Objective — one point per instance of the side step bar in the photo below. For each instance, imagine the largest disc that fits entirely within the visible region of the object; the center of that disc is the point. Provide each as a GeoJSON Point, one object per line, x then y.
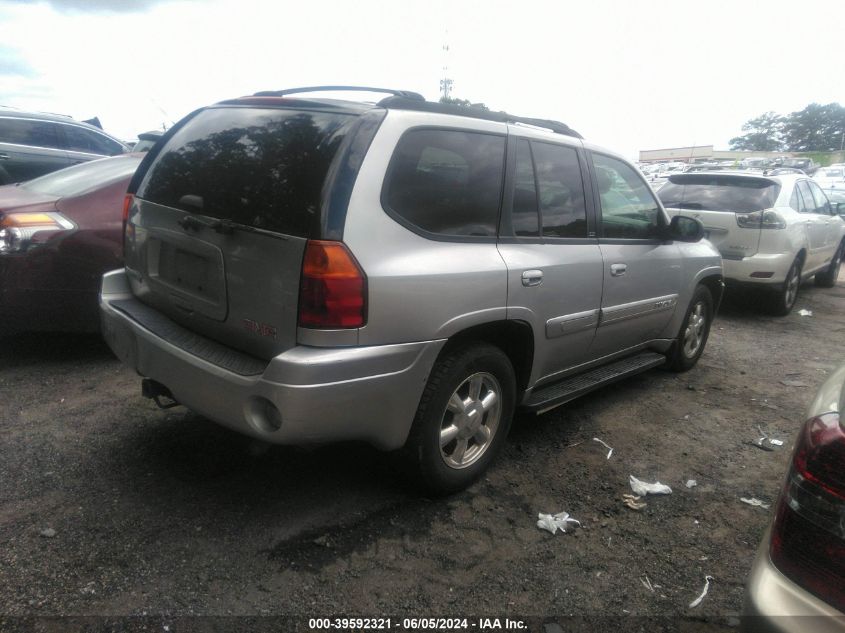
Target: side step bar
{"type": "Point", "coordinates": [551, 396]}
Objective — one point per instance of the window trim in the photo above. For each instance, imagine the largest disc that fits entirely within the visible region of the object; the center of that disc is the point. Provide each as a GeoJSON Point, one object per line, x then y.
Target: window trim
{"type": "Point", "coordinates": [439, 237]}
{"type": "Point", "coordinates": [662, 220]}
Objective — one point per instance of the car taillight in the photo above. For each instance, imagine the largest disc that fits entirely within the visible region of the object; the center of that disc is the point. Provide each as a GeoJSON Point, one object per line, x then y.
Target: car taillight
{"type": "Point", "coordinates": [760, 220]}
{"type": "Point", "coordinates": [21, 231]}
{"type": "Point", "coordinates": [332, 292]}
{"type": "Point", "coordinates": [808, 534]}
{"type": "Point", "coordinates": [127, 203]}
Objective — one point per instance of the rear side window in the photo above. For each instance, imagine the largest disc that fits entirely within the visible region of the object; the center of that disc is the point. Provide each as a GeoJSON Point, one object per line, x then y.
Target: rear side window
{"type": "Point", "coordinates": [447, 182]}
{"type": "Point", "coordinates": [263, 168]}
{"type": "Point", "coordinates": [78, 139]}
{"type": "Point", "coordinates": [719, 193]}
{"type": "Point", "coordinates": [26, 132]}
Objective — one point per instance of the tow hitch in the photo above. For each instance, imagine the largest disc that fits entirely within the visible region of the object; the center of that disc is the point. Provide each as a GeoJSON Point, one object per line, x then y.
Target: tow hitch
{"type": "Point", "coordinates": [156, 391]}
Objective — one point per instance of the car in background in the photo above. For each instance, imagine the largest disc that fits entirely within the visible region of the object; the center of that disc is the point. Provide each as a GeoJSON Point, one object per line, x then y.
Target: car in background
{"type": "Point", "coordinates": [58, 234]}
{"type": "Point", "coordinates": [34, 143]}
{"type": "Point", "coordinates": [147, 140]}
{"type": "Point", "coordinates": [827, 176]}
{"type": "Point", "coordinates": [799, 570]}
{"type": "Point", "coordinates": [807, 165]}
{"type": "Point", "coordinates": [836, 195]}
{"type": "Point", "coordinates": [772, 231]}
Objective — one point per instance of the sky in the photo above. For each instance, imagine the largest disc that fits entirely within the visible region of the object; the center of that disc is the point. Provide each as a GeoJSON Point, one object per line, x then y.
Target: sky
{"type": "Point", "coordinates": [629, 75]}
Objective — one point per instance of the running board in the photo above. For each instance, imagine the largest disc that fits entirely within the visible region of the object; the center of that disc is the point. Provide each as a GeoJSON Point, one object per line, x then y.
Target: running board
{"type": "Point", "coordinates": [551, 396]}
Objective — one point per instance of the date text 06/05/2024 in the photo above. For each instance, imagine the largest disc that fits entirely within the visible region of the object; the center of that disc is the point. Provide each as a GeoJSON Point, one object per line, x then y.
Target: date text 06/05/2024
{"type": "Point", "coordinates": [417, 624]}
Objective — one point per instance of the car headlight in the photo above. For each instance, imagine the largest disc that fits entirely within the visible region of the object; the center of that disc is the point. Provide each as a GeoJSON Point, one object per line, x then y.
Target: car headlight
{"type": "Point", "coordinates": [20, 232]}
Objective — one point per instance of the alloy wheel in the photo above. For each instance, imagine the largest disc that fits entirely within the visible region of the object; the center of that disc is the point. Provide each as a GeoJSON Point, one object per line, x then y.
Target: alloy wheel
{"type": "Point", "coordinates": [470, 420]}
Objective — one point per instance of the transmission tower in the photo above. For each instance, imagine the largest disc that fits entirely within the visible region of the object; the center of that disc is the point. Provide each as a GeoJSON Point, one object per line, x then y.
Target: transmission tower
{"type": "Point", "coordinates": [446, 83]}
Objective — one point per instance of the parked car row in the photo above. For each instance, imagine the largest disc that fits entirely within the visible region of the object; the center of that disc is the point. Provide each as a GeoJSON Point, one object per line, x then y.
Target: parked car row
{"type": "Point", "coordinates": [408, 273]}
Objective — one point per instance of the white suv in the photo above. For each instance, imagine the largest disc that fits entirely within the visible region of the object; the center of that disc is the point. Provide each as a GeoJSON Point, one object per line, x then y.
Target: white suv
{"type": "Point", "coordinates": [771, 231]}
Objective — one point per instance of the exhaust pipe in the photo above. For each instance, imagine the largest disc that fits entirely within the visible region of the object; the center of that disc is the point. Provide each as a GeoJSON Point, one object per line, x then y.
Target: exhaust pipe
{"type": "Point", "coordinates": [155, 391]}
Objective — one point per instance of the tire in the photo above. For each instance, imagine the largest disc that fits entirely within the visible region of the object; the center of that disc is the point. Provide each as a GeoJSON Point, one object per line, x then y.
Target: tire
{"type": "Point", "coordinates": [783, 299]}
{"type": "Point", "coordinates": [694, 331]}
{"type": "Point", "coordinates": [827, 279]}
{"type": "Point", "coordinates": [448, 447]}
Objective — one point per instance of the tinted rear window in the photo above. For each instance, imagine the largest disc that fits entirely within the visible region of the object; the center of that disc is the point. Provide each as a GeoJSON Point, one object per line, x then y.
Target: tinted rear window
{"type": "Point", "coordinates": [263, 168]}
{"type": "Point", "coordinates": [447, 182]}
{"type": "Point", "coordinates": [719, 193]}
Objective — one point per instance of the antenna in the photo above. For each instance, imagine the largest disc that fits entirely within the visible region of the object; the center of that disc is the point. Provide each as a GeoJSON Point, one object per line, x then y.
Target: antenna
{"type": "Point", "coordinates": [446, 83]}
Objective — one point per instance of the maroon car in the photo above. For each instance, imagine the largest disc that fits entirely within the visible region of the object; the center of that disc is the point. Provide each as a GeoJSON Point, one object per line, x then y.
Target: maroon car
{"type": "Point", "coordinates": [58, 234]}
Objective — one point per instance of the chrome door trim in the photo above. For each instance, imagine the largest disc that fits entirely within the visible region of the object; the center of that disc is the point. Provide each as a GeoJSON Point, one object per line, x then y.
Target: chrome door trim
{"type": "Point", "coordinates": [571, 323]}
{"type": "Point", "coordinates": [624, 311]}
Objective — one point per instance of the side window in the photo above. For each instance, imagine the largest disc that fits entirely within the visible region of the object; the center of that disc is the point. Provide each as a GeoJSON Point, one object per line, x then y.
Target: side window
{"type": "Point", "coordinates": [27, 132]}
{"type": "Point", "coordinates": [805, 197]}
{"type": "Point", "coordinates": [524, 216]}
{"type": "Point", "coordinates": [560, 190]}
{"type": "Point", "coordinates": [821, 204]}
{"type": "Point", "coordinates": [81, 140]}
{"type": "Point", "coordinates": [628, 208]}
{"type": "Point", "coordinates": [447, 182]}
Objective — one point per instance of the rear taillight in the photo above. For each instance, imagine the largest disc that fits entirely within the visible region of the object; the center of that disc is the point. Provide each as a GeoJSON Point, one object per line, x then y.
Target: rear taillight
{"type": "Point", "coordinates": [20, 232]}
{"type": "Point", "coordinates": [760, 220]}
{"type": "Point", "coordinates": [332, 293]}
{"type": "Point", "coordinates": [127, 203]}
{"type": "Point", "coordinates": [808, 534]}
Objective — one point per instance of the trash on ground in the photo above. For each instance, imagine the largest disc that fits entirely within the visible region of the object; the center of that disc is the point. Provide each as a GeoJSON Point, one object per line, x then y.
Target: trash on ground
{"type": "Point", "coordinates": [691, 483]}
{"type": "Point", "coordinates": [804, 312]}
{"type": "Point", "coordinates": [610, 452]}
{"type": "Point", "coordinates": [642, 488]}
{"type": "Point", "coordinates": [647, 584]}
{"type": "Point", "coordinates": [48, 532]}
{"type": "Point", "coordinates": [753, 501]}
{"type": "Point", "coordinates": [794, 383]}
{"type": "Point", "coordinates": [776, 442]}
{"type": "Point", "coordinates": [553, 523]}
{"type": "Point", "coordinates": [633, 502]}
{"type": "Point", "coordinates": [764, 441]}
{"type": "Point", "coordinates": [760, 442]}
{"type": "Point", "coordinates": [698, 600]}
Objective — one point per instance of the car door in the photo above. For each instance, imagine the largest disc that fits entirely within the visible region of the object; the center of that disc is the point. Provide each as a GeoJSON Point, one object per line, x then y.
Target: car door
{"type": "Point", "coordinates": [829, 225]}
{"type": "Point", "coordinates": [552, 255]}
{"type": "Point", "coordinates": [815, 226]}
{"type": "Point", "coordinates": [29, 148]}
{"type": "Point", "coordinates": [641, 271]}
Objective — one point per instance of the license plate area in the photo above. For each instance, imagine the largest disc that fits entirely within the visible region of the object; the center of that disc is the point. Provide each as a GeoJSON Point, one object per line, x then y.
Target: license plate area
{"type": "Point", "coordinates": [187, 273]}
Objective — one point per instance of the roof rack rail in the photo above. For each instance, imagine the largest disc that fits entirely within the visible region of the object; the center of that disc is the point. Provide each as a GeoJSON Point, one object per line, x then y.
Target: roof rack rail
{"type": "Point", "coordinates": [398, 102]}
{"type": "Point", "coordinates": [406, 94]}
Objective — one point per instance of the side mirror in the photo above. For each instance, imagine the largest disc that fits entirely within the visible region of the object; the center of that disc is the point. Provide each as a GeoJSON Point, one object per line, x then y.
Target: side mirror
{"type": "Point", "coordinates": [837, 208]}
{"type": "Point", "coordinates": [685, 229]}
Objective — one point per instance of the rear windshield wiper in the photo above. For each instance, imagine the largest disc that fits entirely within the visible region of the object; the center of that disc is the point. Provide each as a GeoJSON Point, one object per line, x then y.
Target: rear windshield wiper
{"type": "Point", "coordinates": [224, 226]}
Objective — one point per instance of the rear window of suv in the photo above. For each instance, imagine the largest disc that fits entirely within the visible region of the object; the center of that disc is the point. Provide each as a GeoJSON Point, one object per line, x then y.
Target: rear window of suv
{"type": "Point", "coordinates": [719, 193]}
{"type": "Point", "coordinates": [260, 167]}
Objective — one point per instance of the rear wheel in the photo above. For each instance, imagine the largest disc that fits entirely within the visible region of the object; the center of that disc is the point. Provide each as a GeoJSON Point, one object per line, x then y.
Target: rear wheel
{"type": "Point", "coordinates": [827, 278]}
{"type": "Point", "coordinates": [694, 331]}
{"type": "Point", "coordinates": [463, 418]}
{"type": "Point", "coordinates": [783, 299]}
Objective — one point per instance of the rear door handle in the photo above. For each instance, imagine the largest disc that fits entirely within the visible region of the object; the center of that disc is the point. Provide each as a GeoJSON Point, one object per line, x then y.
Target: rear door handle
{"type": "Point", "coordinates": [532, 277]}
{"type": "Point", "coordinates": [617, 270]}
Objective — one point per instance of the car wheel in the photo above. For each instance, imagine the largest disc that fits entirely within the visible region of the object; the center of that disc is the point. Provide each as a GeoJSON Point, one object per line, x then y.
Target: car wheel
{"type": "Point", "coordinates": [463, 418]}
{"type": "Point", "coordinates": [827, 279]}
{"type": "Point", "coordinates": [783, 299]}
{"type": "Point", "coordinates": [694, 331]}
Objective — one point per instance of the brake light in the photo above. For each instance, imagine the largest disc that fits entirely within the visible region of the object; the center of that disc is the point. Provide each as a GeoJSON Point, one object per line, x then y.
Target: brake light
{"type": "Point", "coordinates": [760, 220]}
{"type": "Point", "coordinates": [808, 533]}
{"type": "Point", "coordinates": [332, 292]}
{"type": "Point", "coordinates": [21, 231]}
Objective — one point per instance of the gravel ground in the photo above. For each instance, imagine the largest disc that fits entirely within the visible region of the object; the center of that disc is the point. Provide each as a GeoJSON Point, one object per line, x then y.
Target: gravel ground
{"type": "Point", "coordinates": [111, 507]}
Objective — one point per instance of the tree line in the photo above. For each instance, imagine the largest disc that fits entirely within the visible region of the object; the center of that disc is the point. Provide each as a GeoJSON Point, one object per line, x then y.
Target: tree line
{"type": "Point", "coordinates": [816, 128]}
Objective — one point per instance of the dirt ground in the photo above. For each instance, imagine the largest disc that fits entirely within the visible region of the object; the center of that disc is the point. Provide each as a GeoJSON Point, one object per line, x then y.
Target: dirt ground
{"type": "Point", "coordinates": [161, 513]}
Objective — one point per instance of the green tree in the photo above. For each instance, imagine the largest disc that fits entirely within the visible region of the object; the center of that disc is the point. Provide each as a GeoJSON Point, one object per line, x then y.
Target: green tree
{"type": "Point", "coordinates": [466, 103]}
{"type": "Point", "coordinates": [763, 134]}
{"type": "Point", "coordinates": [816, 128]}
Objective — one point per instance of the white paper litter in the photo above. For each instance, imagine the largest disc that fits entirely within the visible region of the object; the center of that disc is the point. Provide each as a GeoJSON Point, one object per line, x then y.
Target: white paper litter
{"type": "Point", "coordinates": [698, 600]}
{"type": "Point", "coordinates": [647, 584]}
{"type": "Point", "coordinates": [753, 501]}
{"type": "Point", "coordinates": [610, 452]}
{"type": "Point", "coordinates": [691, 483]}
{"type": "Point", "coordinates": [642, 488]}
{"type": "Point", "coordinates": [804, 312]}
{"type": "Point", "coordinates": [633, 502]}
{"type": "Point", "coordinates": [776, 442]}
{"type": "Point", "coordinates": [553, 523]}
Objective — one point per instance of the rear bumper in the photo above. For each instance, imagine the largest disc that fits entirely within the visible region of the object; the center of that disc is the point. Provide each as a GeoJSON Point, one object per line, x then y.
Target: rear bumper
{"type": "Point", "coordinates": [773, 603]}
{"type": "Point", "coordinates": [741, 270]}
{"type": "Point", "coordinates": [320, 394]}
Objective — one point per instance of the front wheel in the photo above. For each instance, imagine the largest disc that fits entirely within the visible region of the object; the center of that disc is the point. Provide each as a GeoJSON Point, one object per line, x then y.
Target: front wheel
{"type": "Point", "coordinates": [463, 418]}
{"type": "Point", "coordinates": [694, 331]}
{"type": "Point", "coordinates": [827, 278]}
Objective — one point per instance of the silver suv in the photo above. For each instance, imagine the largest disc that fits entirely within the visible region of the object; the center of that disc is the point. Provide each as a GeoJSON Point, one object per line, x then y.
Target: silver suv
{"type": "Point", "coordinates": [404, 273]}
